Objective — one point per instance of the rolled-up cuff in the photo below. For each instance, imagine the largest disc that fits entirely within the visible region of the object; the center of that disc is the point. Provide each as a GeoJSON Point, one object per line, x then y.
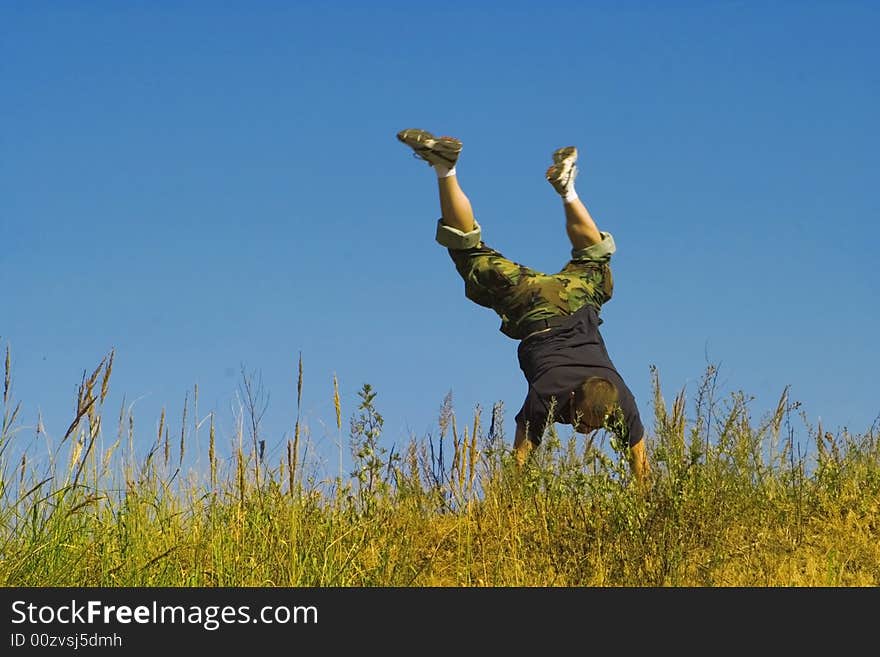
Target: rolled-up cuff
{"type": "Point", "coordinates": [599, 251]}
{"type": "Point", "coordinates": [452, 238]}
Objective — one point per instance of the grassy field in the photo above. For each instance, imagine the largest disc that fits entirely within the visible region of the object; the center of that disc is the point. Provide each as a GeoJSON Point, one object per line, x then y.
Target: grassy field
{"type": "Point", "coordinates": [733, 501]}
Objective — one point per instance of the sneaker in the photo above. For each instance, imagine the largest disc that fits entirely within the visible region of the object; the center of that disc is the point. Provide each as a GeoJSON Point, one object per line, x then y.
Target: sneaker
{"type": "Point", "coordinates": [442, 151]}
{"type": "Point", "coordinates": [563, 171]}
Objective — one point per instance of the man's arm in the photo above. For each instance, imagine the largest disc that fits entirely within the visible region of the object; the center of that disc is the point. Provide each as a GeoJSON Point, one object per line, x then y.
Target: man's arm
{"type": "Point", "coordinates": [522, 445]}
{"type": "Point", "coordinates": [638, 461]}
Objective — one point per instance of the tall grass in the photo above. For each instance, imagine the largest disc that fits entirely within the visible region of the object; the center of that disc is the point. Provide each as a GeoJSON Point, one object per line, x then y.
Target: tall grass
{"type": "Point", "coordinates": [732, 502]}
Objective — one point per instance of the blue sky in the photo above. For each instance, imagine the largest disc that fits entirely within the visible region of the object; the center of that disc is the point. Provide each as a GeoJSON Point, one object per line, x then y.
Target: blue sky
{"type": "Point", "coordinates": [206, 187]}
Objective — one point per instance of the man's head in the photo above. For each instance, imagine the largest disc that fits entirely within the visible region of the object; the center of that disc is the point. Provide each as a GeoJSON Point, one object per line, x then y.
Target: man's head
{"type": "Point", "coordinates": [591, 402]}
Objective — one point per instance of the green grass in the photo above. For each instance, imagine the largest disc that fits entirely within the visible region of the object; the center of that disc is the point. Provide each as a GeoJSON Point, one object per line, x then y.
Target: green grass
{"type": "Point", "coordinates": [732, 502]}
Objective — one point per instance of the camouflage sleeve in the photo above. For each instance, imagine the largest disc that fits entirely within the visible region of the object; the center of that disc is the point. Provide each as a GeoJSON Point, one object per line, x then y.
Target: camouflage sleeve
{"type": "Point", "coordinates": [600, 252]}
{"type": "Point", "coordinates": [486, 273]}
{"type": "Point", "coordinates": [593, 265]}
{"type": "Point", "coordinates": [452, 238]}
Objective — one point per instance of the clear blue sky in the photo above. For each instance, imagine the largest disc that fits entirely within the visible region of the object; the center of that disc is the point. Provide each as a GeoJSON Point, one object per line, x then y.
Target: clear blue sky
{"type": "Point", "coordinates": [205, 186]}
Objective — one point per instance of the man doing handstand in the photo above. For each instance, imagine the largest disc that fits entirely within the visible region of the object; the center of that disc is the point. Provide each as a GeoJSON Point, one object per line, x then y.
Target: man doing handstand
{"type": "Point", "coordinates": [571, 379]}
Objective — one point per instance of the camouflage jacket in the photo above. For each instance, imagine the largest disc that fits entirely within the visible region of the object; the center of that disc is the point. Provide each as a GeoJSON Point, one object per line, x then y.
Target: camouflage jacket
{"type": "Point", "coordinates": [521, 295]}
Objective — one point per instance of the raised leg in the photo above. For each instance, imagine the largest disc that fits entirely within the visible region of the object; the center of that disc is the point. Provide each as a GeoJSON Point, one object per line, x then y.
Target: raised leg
{"type": "Point", "coordinates": [441, 153]}
{"type": "Point", "coordinates": [579, 225]}
{"type": "Point", "coordinates": [455, 207]}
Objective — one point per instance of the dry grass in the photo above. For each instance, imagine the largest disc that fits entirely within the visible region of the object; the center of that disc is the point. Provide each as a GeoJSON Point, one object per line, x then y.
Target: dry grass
{"type": "Point", "coordinates": [732, 503]}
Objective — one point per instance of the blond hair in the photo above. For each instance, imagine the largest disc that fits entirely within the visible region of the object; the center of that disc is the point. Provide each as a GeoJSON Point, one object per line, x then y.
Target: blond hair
{"type": "Point", "coordinates": [593, 400]}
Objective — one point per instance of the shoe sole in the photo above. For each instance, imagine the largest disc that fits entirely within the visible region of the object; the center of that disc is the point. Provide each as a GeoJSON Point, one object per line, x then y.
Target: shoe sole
{"type": "Point", "coordinates": [564, 153]}
{"type": "Point", "coordinates": [563, 162]}
{"type": "Point", "coordinates": [426, 144]}
{"type": "Point", "coordinates": [557, 173]}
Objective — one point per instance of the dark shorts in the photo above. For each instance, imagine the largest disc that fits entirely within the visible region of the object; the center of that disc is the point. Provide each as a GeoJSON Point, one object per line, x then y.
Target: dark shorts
{"type": "Point", "coordinates": [557, 361]}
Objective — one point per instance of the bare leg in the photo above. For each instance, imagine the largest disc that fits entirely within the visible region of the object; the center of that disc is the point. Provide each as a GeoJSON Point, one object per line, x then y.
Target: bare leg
{"type": "Point", "coordinates": [582, 230]}
{"type": "Point", "coordinates": [442, 154]}
{"type": "Point", "coordinates": [455, 205]}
